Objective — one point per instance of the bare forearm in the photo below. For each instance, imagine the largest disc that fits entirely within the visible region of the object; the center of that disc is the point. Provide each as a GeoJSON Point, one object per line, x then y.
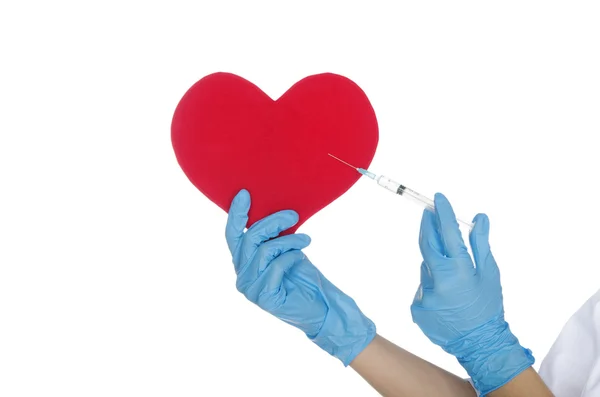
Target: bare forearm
{"type": "Point", "coordinates": [527, 384]}
{"type": "Point", "coordinates": [394, 372]}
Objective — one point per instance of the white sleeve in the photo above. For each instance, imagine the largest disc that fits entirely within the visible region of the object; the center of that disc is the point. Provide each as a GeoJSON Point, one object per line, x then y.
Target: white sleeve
{"type": "Point", "coordinates": [572, 367]}
{"type": "Point", "coordinates": [473, 386]}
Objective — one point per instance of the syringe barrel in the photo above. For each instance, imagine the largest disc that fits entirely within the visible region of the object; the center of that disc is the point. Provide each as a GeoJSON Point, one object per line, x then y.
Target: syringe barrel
{"type": "Point", "coordinates": [389, 184]}
{"type": "Point", "coordinates": [429, 204]}
{"type": "Point", "coordinates": [419, 198]}
{"type": "Point", "coordinates": [402, 190]}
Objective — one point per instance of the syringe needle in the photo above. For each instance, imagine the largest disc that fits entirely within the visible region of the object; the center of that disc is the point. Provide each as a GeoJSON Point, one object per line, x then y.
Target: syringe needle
{"type": "Point", "coordinates": [342, 161]}
{"type": "Point", "coordinates": [361, 171]}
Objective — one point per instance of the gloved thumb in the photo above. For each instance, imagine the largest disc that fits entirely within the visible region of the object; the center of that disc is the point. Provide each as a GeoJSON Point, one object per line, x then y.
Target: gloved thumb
{"type": "Point", "coordinates": [237, 219]}
{"type": "Point", "coordinates": [479, 238]}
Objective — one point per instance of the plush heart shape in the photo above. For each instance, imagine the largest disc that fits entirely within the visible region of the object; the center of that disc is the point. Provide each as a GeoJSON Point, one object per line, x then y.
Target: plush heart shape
{"type": "Point", "coordinates": [228, 134]}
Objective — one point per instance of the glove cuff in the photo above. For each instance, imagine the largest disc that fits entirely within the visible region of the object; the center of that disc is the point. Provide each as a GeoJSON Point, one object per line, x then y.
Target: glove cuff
{"type": "Point", "coordinates": [492, 356]}
{"type": "Point", "coordinates": [346, 331]}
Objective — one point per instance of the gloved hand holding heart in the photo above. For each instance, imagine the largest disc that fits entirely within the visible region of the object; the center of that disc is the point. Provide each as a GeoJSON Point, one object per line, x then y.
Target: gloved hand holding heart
{"type": "Point", "coordinates": [228, 135]}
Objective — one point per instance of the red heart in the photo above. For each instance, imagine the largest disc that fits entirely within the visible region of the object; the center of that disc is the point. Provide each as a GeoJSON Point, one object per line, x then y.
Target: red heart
{"type": "Point", "coordinates": [228, 134]}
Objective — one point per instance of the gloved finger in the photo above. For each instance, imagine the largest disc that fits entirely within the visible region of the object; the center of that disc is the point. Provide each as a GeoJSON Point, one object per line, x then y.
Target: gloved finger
{"type": "Point", "coordinates": [274, 248]}
{"type": "Point", "coordinates": [270, 281]}
{"type": "Point", "coordinates": [417, 301]}
{"type": "Point", "coordinates": [264, 230]}
{"type": "Point", "coordinates": [430, 242]}
{"type": "Point", "coordinates": [454, 246]}
{"type": "Point", "coordinates": [266, 253]}
{"type": "Point", "coordinates": [432, 249]}
{"type": "Point", "coordinates": [480, 245]}
{"type": "Point", "coordinates": [270, 227]}
{"type": "Point", "coordinates": [426, 276]}
{"type": "Point", "coordinates": [237, 219]}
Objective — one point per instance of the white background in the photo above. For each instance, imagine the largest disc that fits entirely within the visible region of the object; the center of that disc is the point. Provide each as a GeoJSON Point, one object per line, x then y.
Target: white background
{"type": "Point", "coordinates": [115, 277]}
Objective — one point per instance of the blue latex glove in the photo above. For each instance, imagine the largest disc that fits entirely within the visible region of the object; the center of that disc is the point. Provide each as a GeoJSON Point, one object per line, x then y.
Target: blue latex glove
{"type": "Point", "coordinates": [459, 306]}
{"type": "Point", "coordinates": [273, 273]}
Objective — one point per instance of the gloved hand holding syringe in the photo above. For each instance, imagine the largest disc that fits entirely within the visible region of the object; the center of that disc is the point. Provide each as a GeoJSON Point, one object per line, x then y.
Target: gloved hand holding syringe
{"type": "Point", "coordinates": [399, 189]}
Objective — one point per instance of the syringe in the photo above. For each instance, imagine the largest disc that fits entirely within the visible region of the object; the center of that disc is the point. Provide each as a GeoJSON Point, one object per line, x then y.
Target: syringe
{"type": "Point", "coordinates": [399, 189]}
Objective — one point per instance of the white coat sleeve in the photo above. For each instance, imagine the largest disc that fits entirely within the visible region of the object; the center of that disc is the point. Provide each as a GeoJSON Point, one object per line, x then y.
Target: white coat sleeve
{"type": "Point", "coordinates": [572, 366]}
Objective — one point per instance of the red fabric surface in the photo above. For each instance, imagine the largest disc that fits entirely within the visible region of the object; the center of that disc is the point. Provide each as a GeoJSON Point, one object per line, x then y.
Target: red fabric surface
{"type": "Point", "coordinates": [228, 134]}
